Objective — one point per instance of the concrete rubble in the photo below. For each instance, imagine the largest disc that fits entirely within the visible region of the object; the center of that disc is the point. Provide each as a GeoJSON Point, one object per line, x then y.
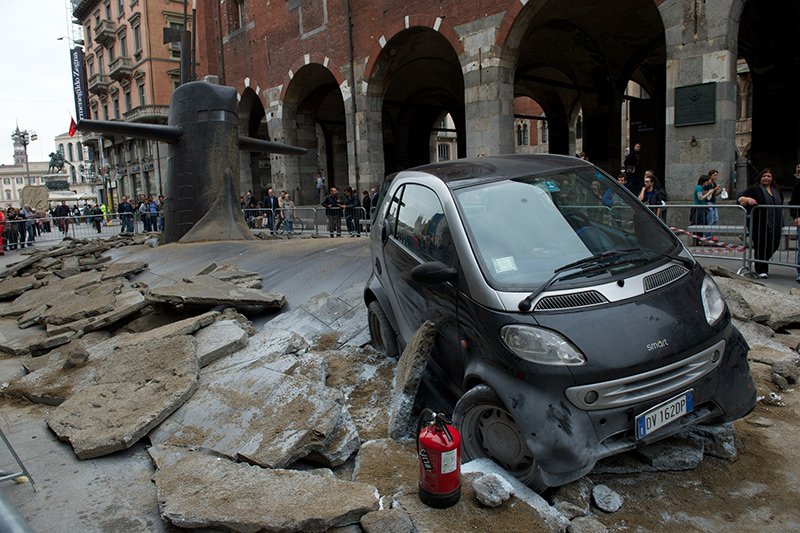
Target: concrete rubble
{"type": "Point", "coordinates": [208, 291]}
{"type": "Point", "coordinates": [410, 368]}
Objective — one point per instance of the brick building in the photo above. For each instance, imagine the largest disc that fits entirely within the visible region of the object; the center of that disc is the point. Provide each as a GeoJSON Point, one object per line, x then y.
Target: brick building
{"type": "Point", "coordinates": [131, 76]}
{"type": "Point", "coordinates": [363, 85]}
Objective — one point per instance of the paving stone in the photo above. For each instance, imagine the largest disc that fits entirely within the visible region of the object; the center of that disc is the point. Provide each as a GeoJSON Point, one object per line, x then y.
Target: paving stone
{"type": "Point", "coordinates": [13, 287]}
{"type": "Point", "coordinates": [77, 307]}
{"type": "Point", "coordinates": [219, 339]}
{"type": "Point", "coordinates": [54, 291]}
{"type": "Point", "coordinates": [776, 309]}
{"type": "Point", "coordinates": [209, 291]}
{"type": "Point", "coordinates": [255, 414]}
{"type": "Point", "coordinates": [387, 521]}
{"type": "Point", "coordinates": [30, 341]}
{"type": "Point", "coordinates": [492, 490]}
{"type": "Point", "coordinates": [570, 510]}
{"type": "Point", "coordinates": [201, 491]}
{"type": "Point", "coordinates": [718, 441]}
{"type": "Point", "coordinates": [410, 368]}
{"type": "Point", "coordinates": [606, 499]}
{"type": "Point", "coordinates": [577, 493]}
{"type": "Point", "coordinates": [242, 278]}
{"type": "Point", "coordinates": [343, 442]}
{"type": "Point", "coordinates": [121, 269]}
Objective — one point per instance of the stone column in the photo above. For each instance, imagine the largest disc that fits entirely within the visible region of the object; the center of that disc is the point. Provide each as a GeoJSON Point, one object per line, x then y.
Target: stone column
{"type": "Point", "coordinates": [701, 51]}
{"type": "Point", "coordinates": [367, 139]}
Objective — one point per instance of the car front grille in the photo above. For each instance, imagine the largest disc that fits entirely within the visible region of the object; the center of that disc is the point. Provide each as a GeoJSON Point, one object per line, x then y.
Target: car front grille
{"type": "Point", "coordinates": [648, 385]}
{"type": "Point", "coordinates": [570, 301]}
{"type": "Point", "coordinates": [666, 276]}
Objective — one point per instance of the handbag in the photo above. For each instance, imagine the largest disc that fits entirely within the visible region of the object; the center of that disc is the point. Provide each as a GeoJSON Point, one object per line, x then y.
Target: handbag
{"type": "Point", "coordinates": [724, 194]}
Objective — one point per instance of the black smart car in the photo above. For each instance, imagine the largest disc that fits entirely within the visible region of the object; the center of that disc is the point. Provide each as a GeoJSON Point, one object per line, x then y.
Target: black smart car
{"type": "Point", "coordinates": [570, 320]}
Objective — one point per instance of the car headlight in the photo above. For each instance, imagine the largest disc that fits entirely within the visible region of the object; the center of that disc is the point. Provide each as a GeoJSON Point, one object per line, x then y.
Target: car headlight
{"type": "Point", "coordinates": [713, 301]}
{"type": "Point", "coordinates": [540, 346]}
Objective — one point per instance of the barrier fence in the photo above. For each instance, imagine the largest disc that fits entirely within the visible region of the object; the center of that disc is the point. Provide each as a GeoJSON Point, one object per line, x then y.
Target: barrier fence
{"type": "Point", "coordinates": [765, 236]}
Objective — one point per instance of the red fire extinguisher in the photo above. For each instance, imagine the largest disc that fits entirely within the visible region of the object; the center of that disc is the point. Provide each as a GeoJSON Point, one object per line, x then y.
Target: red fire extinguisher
{"type": "Point", "coordinates": [439, 451]}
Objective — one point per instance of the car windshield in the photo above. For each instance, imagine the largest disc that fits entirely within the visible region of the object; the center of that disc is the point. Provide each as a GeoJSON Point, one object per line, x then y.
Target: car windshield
{"type": "Point", "coordinates": [576, 225]}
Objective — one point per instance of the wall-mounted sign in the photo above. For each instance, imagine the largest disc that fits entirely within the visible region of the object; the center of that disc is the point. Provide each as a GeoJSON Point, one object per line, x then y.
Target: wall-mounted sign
{"type": "Point", "coordinates": [696, 104]}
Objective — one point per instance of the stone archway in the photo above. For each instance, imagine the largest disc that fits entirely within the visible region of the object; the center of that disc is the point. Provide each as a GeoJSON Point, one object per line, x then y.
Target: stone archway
{"type": "Point", "coordinates": [254, 167]}
{"type": "Point", "coordinates": [420, 80]}
{"type": "Point", "coordinates": [314, 118]}
{"type": "Point", "coordinates": [568, 56]}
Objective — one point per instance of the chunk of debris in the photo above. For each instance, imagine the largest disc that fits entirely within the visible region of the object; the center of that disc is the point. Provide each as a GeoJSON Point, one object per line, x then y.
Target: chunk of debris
{"type": "Point", "coordinates": [219, 339]}
{"type": "Point", "coordinates": [718, 441]}
{"type": "Point", "coordinates": [255, 414]}
{"type": "Point", "coordinates": [53, 292]}
{"type": "Point", "coordinates": [120, 269]}
{"type": "Point", "coordinates": [33, 341]}
{"type": "Point", "coordinates": [199, 491]}
{"type": "Point", "coordinates": [577, 494]}
{"type": "Point", "coordinates": [672, 454]}
{"type": "Point", "coordinates": [209, 291]}
{"type": "Point", "coordinates": [13, 287]}
{"type": "Point", "coordinates": [606, 499]}
{"type": "Point", "coordinates": [136, 388]}
{"type": "Point", "coordinates": [777, 310]}
{"type": "Point", "coordinates": [410, 368]}
{"type": "Point", "coordinates": [387, 521]}
{"type": "Point", "coordinates": [586, 525]}
{"type": "Point", "coordinates": [492, 490]}
{"type": "Point", "coordinates": [343, 442]}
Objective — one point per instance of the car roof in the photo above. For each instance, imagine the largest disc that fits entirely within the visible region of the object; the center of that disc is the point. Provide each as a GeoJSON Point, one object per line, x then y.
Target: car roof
{"type": "Point", "coordinates": [465, 172]}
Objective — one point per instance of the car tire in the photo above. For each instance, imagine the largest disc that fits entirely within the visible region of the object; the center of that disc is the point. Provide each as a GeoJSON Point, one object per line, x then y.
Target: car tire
{"type": "Point", "coordinates": [380, 331]}
{"type": "Point", "coordinates": [489, 431]}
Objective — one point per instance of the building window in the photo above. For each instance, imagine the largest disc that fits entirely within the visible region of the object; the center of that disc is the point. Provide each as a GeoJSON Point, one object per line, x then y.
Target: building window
{"type": "Point", "coordinates": [579, 128]}
{"type": "Point", "coordinates": [522, 135]}
{"type": "Point", "coordinates": [105, 112]}
{"type": "Point", "coordinates": [142, 100]}
{"type": "Point", "coordinates": [8, 194]}
{"type": "Point", "coordinates": [137, 40]}
{"type": "Point", "coordinates": [111, 53]}
{"type": "Point", "coordinates": [19, 181]}
{"type": "Point", "coordinates": [123, 45]}
{"type": "Point", "coordinates": [100, 68]}
{"type": "Point", "coordinates": [80, 152]}
{"type": "Point", "coordinates": [237, 14]}
{"type": "Point", "coordinates": [70, 156]}
{"type": "Point", "coordinates": [444, 152]}
{"type": "Point", "coordinates": [175, 48]}
{"type": "Point", "coordinates": [128, 101]}
{"type": "Point", "coordinates": [116, 108]}
{"type": "Point", "coordinates": [108, 11]}
{"type": "Point", "coordinates": [90, 65]}
{"type": "Point", "coordinates": [121, 7]}
{"type": "Point", "coordinates": [7, 181]}
{"type": "Point", "coordinates": [544, 131]}
{"type": "Point", "coordinates": [61, 149]}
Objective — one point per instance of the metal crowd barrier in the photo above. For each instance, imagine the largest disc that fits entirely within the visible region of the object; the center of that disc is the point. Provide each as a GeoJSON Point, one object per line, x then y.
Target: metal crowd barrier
{"type": "Point", "coordinates": [772, 231]}
{"type": "Point", "coordinates": [312, 220]}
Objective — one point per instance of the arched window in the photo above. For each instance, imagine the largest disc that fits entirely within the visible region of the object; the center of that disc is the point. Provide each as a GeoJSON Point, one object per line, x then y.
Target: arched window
{"type": "Point", "coordinates": [579, 128]}
{"type": "Point", "coordinates": [80, 152]}
{"type": "Point", "coordinates": [69, 152]}
{"type": "Point", "coordinates": [61, 148]}
{"type": "Point", "coordinates": [525, 140]}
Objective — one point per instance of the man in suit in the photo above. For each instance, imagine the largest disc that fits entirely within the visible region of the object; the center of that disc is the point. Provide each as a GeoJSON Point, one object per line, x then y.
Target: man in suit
{"type": "Point", "coordinates": [271, 205]}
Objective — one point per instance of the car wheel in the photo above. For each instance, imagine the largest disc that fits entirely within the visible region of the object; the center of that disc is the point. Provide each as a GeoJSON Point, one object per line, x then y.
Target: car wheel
{"type": "Point", "coordinates": [488, 430]}
{"type": "Point", "coordinates": [380, 331]}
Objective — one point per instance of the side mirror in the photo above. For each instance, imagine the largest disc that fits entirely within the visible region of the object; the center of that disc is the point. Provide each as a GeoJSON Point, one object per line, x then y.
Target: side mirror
{"type": "Point", "coordinates": [433, 272]}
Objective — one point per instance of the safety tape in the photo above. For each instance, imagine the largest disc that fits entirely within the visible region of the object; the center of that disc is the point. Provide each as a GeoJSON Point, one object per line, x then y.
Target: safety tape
{"type": "Point", "coordinates": [714, 242]}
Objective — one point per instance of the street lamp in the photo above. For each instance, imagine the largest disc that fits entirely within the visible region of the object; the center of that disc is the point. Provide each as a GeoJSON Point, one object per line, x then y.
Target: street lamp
{"type": "Point", "coordinates": [24, 137]}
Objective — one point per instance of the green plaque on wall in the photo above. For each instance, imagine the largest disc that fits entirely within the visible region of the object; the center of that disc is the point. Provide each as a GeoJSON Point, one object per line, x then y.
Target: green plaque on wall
{"type": "Point", "coordinates": [696, 104]}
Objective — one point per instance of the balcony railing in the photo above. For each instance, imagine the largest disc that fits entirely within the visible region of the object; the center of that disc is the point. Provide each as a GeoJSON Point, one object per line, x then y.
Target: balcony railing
{"type": "Point", "coordinates": [147, 113]}
{"type": "Point", "coordinates": [105, 32]}
{"type": "Point", "coordinates": [120, 68]}
{"type": "Point", "coordinates": [98, 83]}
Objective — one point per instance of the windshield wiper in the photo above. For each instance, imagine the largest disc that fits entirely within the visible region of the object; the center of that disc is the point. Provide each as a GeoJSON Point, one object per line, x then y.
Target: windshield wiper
{"type": "Point", "coordinates": [525, 305]}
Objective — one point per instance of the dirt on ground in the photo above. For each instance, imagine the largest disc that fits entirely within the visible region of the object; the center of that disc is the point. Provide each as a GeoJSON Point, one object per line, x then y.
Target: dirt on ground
{"type": "Point", "coordinates": [758, 492]}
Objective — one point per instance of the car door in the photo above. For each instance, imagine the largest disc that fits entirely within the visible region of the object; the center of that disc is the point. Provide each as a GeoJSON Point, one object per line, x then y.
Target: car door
{"type": "Point", "coordinates": [421, 234]}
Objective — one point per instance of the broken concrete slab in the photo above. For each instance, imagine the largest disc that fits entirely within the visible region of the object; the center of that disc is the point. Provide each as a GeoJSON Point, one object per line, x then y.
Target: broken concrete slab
{"type": "Point", "coordinates": [471, 516]}
{"type": "Point", "coordinates": [120, 269]}
{"type": "Point", "coordinates": [77, 307]}
{"type": "Point", "coordinates": [390, 465]}
{"type": "Point", "coordinates": [492, 490]}
{"type": "Point", "coordinates": [201, 491]}
{"type": "Point", "coordinates": [776, 309]}
{"type": "Point", "coordinates": [255, 414]}
{"type": "Point", "coordinates": [343, 442]}
{"type": "Point", "coordinates": [219, 339]}
{"type": "Point", "coordinates": [242, 278]}
{"type": "Point", "coordinates": [547, 518]}
{"type": "Point", "coordinates": [133, 390]}
{"type": "Point", "coordinates": [410, 368]}
{"type": "Point", "coordinates": [606, 499]}
{"type": "Point", "coordinates": [586, 524]}
{"type": "Point", "coordinates": [13, 287]}
{"type": "Point", "coordinates": [718, 441]}
{"type": "Point", "coordinates": [671, 454]}
{"type": "Point", "coordinates": [209, 291]}
{"type": "Point", "coordinates": [33, 341]}
{"type": "Point", "coordinates": [50, 294]}
{"type": "Point", "coordinates": [577, 494]}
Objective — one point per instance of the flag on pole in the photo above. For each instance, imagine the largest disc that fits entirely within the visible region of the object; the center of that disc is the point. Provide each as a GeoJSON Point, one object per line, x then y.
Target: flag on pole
{"type": "Point", "coordinates": [73, 128]}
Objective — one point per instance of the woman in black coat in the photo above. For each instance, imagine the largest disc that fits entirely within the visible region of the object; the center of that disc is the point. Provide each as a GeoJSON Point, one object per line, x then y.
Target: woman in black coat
{"type": "Point", "coordinates": [768, 222]}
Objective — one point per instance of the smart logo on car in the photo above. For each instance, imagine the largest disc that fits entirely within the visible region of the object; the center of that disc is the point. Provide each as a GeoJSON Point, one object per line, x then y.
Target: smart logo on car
{"type": "Point", "coordinates": [657, 345]}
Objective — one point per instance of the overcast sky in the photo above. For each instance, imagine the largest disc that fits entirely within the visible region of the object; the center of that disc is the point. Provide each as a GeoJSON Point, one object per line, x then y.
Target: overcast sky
{"type": "Point", "coordinates": [36, 83]}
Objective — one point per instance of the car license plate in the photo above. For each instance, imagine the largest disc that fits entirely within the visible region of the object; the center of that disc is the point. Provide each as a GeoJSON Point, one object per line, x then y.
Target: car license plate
{"type": "Point", "coordinates": [664, 413]}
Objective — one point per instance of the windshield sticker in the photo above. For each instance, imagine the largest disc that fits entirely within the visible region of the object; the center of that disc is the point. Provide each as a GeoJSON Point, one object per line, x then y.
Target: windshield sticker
{"type": "Point", "coordinates": [504, 264]}
{"type": "Point", "coordinates": [549, 186]}
{"type": "Point", "coordinates": [600, 176]}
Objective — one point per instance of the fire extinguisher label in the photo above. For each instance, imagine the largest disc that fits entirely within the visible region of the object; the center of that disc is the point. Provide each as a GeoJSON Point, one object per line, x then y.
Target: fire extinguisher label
{"type": "Point", "coordinates": [449, 461]}
{"type": "Point", "coordinates": [426, 463]}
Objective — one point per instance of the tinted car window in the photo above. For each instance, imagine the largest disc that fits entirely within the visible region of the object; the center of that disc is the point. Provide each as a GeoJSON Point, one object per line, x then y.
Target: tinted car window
{"type": "Point", "coordinates": [523, 230]}
{"type": "Point", "coordinates": [421, 225]}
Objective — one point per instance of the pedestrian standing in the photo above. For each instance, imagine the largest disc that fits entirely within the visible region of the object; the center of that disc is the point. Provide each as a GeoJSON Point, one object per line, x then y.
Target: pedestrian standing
{"type": "Point", "coordinates": [633, 169]}
{"type": "Point", "coordinates": [29, 234]}
{"type": "Point", "coordinates": [62, 212]}
{"type": "Point", "coordinates": [270, 204]}
{"type": "Point", "coordinates": [288, 214]}
{"type": "Point", "coordinates": [319, 182]}
{"type": "Point", "coordinates": [795, 214]}
{"type": "Point", "coordinates": [125, 210]}
{"type": "Point", "coordinates": [767, 222]}
{"type": "Point", "coordinates": [333, 205]}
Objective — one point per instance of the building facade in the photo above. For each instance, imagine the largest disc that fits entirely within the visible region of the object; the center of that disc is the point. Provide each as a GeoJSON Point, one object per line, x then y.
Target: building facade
{"type": "Point", "coordinates": [364, 86]}
{"type": "Point", "coordinates": [131, 75]}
